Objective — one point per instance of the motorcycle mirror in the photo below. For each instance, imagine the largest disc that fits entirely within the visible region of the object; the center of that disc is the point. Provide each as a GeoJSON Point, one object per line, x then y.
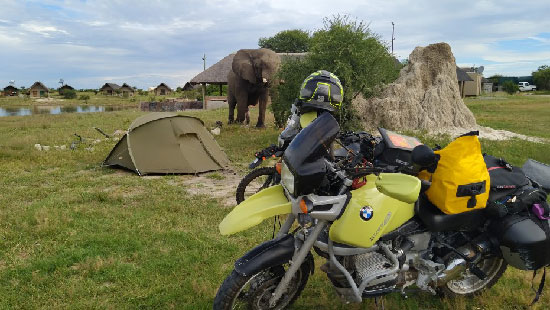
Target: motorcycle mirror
{"type": "Point", "coordinates": [423, 156]}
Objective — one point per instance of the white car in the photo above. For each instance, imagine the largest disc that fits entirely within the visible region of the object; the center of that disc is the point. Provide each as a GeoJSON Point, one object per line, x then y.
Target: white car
{"type": "Point", "coordinates": [524, 86]}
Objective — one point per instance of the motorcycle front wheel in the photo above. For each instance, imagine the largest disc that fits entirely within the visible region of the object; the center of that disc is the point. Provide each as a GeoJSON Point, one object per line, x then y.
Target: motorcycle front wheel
{"type": "Point", "coordinates": [469, 284]}
{"type": "Point", "coordinates": [254, 292]}
{"type": "Point", "coordinates": [255, 181]}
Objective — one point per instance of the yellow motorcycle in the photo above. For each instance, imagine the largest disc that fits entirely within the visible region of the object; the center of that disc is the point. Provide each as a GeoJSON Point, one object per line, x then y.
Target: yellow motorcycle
{"type": "Point", "coordinates": [376, 239]}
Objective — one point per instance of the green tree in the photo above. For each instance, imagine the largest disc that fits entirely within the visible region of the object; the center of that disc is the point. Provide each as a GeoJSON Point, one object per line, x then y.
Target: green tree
{"type": "Point", "coordinates": [287, 41]}
{"type": "Point", "coordinates": [494, 78]}
{"type": "Point", "coordinates": [541, 77]}
{"type": "Point", "coordinates": [85, 98]}
{"type": "Point", "coordinates": [348, 49]}
{"type": "Point", "coordinates": [214, 90]}
{"type": "Point", "coordinates": [510, 87]}
{"type": "Point", "coordinates": [69, 94]}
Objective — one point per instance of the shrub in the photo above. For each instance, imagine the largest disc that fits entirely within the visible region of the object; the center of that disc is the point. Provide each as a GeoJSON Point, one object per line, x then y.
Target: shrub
{"type": "Point", "coordinates": [69, 94]}
{"type": "Point", "coordinates": [85, 98]}
{"type": "Point", "coordinates": [348, 49]}
{"type": "Point", "coordinates": [541, 77]}
{"type": "Point", "coordinates": [287, 41]}
{"type": "Point", "coordinates": [510, 87]}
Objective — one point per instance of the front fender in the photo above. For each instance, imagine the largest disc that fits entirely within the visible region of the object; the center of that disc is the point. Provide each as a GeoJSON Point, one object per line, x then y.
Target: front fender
{"type": "Point", "coordinates": [266, 255]}
{"type": "Point", "coordinates": [251, 212]}
{"type": "Point", "coordinates": [269, 254]}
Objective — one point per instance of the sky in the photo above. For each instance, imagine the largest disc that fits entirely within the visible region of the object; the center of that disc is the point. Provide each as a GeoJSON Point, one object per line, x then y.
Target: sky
{"type": "Point", "coordinates": [143, 43]}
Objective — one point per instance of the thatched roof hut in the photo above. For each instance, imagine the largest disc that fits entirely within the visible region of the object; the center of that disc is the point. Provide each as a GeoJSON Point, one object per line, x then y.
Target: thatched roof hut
{"type": "Point", "coordinates": [162, 90]}
{"type": "Point", "coordinates": [126, 90]}
{"type": "Point", "coordinates": [217, 73]}
{"type": "Point", "coordinates": [38, 90]}
{"type": "Point", "coordinates": [109, 89]}
{"type": "Point", "coordinates": [11, 90]}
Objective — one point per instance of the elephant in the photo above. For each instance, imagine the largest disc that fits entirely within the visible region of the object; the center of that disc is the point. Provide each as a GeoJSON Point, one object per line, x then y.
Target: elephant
{"type": "Point", "coordinates": [252, 73]}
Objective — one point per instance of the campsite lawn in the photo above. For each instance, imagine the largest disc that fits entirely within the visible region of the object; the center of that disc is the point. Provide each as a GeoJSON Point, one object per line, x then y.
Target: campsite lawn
{"type": "Point", "coordinates": [74, 235]}
{"type": "Point", "coordinates": [523, 113]}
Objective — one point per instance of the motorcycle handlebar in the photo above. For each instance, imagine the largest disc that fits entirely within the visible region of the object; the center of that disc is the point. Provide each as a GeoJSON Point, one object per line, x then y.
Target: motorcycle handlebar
{"type": "Point", "coordinates": [270, 151]}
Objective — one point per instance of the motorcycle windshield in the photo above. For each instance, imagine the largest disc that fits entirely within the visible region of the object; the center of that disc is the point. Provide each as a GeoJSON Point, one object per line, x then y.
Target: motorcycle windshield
{"type": "Point", "coordinates": [305, 153]}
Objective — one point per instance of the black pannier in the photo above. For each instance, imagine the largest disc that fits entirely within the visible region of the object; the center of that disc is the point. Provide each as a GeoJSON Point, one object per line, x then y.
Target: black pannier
{"type": "Point", "coordinates": [524, 240]}
{"type": "Point", "coordinates": [538, 172]}
{"type": "Point", "coordinates": [506, 179]}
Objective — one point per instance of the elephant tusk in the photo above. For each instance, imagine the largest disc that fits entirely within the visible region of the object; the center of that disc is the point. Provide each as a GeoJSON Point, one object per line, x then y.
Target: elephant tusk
{"type": "Point", "coordinates": [264, 80]}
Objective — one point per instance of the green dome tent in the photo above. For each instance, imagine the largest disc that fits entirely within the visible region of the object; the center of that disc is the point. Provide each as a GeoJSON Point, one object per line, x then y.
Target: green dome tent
{"type": "Point", "coordinates": [167, 143]}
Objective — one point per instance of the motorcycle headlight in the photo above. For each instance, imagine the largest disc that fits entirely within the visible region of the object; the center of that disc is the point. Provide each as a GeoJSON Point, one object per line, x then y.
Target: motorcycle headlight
{"type": "Point", "coordinates": [287, 178]}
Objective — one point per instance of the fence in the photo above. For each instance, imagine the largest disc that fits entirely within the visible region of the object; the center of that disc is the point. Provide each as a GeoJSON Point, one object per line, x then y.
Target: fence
{"type": "Point", "coordinates": [170, 106]}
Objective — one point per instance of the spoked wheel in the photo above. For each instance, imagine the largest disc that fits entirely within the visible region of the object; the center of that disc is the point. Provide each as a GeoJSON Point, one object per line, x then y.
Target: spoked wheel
{"type": "Point", "coordinates": [255, 181]}
{"type": "Point", "coordinates": [254, 292]}
{"type": "Point", "coordinates": [469, 284]}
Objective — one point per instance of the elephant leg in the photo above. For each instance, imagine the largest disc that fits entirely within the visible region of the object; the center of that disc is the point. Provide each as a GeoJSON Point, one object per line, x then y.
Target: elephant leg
{"type": "Point", "coordinates": [232, 103]}
{"type": "Point", "coordinates": [262, 106]}
{"type": "Point", "coordinates": [242, 105]}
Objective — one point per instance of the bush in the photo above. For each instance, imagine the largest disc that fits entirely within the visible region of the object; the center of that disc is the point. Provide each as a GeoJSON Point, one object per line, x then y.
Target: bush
{"type": "Point", "coordinates": [69, 94]}
{"type": "Point", "coordinates": [541, 77]}
{"type": "Point", "coordinates": [348, 49]}
{"type": "Point", "coordinates": [85, 98]}
{"type": "Point", "coordinates": [510, 87]}
{"type": "Point", "coordinates": [287, 41]}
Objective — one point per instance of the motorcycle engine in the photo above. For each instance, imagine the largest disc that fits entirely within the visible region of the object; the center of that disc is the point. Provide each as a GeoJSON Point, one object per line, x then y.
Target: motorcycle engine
{"type": "Point", "coordinates": [374, 264]}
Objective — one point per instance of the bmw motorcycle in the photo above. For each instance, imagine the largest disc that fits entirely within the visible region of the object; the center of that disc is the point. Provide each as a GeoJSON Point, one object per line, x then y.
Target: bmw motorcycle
{"type": "Point", "coordinates": [380, 238]}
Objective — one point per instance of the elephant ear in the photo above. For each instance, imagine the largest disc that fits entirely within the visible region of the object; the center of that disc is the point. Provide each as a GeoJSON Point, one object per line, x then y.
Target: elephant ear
{"type": "Point", "coordinates": [243, 67]}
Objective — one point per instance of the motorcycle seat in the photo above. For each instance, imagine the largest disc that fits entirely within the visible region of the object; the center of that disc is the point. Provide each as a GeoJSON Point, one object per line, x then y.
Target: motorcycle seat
{"type": "Point", "coordinates": [437, 221]}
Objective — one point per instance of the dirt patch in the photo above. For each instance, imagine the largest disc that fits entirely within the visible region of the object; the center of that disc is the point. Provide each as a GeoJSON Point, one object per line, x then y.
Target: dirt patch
{"type": "Point", "coordinates": [49, 100]}
{"type": "Point", "coordinates": [220, 185]}
{"type": "Point", "coordinates": [487, 133]}
{"type": "Point", "coordinates": [426, 95]}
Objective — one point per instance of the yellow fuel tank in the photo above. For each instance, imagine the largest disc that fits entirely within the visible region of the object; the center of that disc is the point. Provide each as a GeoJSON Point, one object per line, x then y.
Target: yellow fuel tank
{"type": "Point", "coordinates": [369, 215]}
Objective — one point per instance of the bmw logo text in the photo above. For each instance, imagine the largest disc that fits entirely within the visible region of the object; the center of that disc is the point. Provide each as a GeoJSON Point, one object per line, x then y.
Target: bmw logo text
{"type": "Point", "coordinates": [366, 213]}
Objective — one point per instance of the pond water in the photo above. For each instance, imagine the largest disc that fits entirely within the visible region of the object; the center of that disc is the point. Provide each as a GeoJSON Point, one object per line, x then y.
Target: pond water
{"type": "Point", "coordinates": [51, 109]}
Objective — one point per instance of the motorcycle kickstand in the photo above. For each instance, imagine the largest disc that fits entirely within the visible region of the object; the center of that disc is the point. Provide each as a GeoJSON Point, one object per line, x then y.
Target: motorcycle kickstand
{"type": "Point", "coordinates": [379, 302]}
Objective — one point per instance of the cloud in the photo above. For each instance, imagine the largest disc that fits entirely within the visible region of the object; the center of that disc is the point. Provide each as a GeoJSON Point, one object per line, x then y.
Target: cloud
{"type": "Point", "coordinates": [140, 41]}
{"type": "Point", "coordinates": [44, 30]}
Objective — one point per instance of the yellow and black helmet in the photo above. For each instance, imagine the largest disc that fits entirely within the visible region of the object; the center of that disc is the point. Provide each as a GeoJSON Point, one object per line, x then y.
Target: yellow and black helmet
{"type": "Point", "coordinates": [321, 90]}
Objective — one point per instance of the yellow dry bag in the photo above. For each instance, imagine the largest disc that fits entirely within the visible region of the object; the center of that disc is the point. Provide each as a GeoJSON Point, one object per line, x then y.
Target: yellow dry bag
{"type": "Point", "coordinates": [460, 183]}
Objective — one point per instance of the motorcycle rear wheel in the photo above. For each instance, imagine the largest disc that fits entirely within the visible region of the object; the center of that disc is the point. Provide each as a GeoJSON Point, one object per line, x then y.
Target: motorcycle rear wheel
{"type": "Point", "coordinates": [254, 292]}
{"type": "Point", "coordinates": [470, 285]}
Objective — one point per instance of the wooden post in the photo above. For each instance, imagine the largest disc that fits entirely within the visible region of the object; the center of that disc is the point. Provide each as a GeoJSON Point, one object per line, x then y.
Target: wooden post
{"type": "Point", "coordinates": [221, 90]}
{"type": "Point", "coordinates": [203, 96]}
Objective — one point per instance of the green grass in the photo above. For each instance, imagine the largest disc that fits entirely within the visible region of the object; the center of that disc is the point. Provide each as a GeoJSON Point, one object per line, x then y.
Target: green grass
{"type": "Point", "coordinates": [524, 113]}
{"type": "Point", "coordinates": [74, 235]}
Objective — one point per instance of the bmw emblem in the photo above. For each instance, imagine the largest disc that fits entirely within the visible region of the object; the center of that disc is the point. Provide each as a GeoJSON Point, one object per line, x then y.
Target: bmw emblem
{"type": "Point", "coordinates": [366, 213]}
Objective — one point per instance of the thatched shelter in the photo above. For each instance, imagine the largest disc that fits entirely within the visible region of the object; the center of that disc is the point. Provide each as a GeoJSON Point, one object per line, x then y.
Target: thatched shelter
{"type": "Point", "coordinates": [126, 90]}
{"type": "Point", "coordinates": [162, 90]}
{"type": "Point", "coordinates": [109, 89]}
{"type": "Point", "coordinates": [217, 73]}
{"type": "Point", "coordinates": [11, 90]}
{"type": "Point", "coordinates": [38, 90]}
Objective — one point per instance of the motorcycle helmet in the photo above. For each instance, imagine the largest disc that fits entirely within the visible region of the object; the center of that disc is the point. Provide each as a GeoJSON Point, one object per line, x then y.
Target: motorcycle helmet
{"type": "Point", "coordinates": [321, 90]}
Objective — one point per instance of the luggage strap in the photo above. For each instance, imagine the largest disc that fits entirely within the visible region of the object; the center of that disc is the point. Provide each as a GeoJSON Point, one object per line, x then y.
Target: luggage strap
{"type": "Point", "coordinates": [541, 286]}
{"type": "Point", "coordinates": [472, 190]}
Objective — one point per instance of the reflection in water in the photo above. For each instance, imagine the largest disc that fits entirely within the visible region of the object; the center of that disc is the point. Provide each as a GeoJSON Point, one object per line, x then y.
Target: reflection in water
{"type": "Point", "coordinates": [20, 111]}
